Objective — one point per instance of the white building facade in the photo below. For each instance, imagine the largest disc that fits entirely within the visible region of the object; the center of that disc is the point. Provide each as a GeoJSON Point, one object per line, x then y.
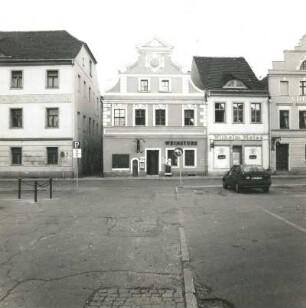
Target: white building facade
{"type": "Point", "coordinates": [152, 110]}
{"type": "Point", "coordinates": [49, 97]}
{"type": "Point", "coordinates": [287, 87]}
{"type": "Point", "coordinates": [237, 113]}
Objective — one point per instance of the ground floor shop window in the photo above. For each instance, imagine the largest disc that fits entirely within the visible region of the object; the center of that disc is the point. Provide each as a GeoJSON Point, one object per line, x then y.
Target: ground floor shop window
{"type": "Point", "coordinates": [16, 154]}
{"type": "Point", "coordinates": [120, 161]}
{"type": "Point", "coordinates": [189, 158]}
{"type": "Point", "coordinates": [52, 156]}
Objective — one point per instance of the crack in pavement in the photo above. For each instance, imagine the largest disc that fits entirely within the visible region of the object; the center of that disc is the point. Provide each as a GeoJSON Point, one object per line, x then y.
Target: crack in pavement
{"type": "Point", "coordinates": [84, 273]}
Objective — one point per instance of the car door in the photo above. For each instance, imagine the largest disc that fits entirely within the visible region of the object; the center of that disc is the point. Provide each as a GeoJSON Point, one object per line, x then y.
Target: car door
{"type": "Point", "coordinates": [229, 176]}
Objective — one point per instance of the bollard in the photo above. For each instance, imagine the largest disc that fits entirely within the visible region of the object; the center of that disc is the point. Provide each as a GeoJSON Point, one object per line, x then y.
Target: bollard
{"type": "Point", "coordinates": [50, 184]}
{"type": "Point", "coordinates": [35, 191]}
{"type": "Point", "coordinates": [19, 188]}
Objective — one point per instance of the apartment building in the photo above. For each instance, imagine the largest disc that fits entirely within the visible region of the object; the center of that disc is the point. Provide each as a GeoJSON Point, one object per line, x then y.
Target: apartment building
{"type": "Point", "coordinates": [287, 87]}
{"type": "Point", "coordinates": [153, 109]}
{"type": "Point", "coordinates": [237, 112]}
{"type": "Point", "coordinates": [49, 97]}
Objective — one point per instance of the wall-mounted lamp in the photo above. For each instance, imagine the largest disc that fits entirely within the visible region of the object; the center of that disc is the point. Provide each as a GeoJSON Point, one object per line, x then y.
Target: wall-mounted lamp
{"type": "Point", "coordinates": [211, 143]}
{"type": "Point", "coordinates": [275, 141]}
{"type": "Point", "coordinates": [138, 145]}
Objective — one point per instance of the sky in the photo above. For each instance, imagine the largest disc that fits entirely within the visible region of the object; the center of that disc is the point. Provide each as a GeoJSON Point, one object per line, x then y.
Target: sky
{"type": "Point", "coordinates": [258, 30]}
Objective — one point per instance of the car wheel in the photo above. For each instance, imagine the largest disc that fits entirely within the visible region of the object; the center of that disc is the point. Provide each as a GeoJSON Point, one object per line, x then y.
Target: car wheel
{"type": "Point", "coordinates": [224, 185]}
{"type": "Point", "coordinates": [237, 188]}
{"type": "Point", "coordinates": [266, 189]}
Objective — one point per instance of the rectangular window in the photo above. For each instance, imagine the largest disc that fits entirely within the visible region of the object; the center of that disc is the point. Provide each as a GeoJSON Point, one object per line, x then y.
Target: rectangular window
{"type": "Point", "coordinates": [174, 160]}
{"type": "Point", "coordinates": [79, 84]}
{"type": "Point", "coordinates": [284, 88]}
{"type": "Point", "coordinates": [219, 112]}
{"type": "Point", "coordinates": [16, 154]}
{"type": "Point", "coordinates": [89, 125]}
{"type": "Point", "coordinates": [52, 156]}
{"type": "Point", "coordinates": [165, 85]}
{"type": "Point", "coordinates": [90, 68]}
{"type": "Point", "coordinates": [189, 158]}
{"type": "Point", "coordinates": [144, 85]}
{"type": "Point", "coordinates": [302, 119]}
{"type": "Point", "coordinates": [52, 79]}
{"type": "Point", "coordinates": [16, 81]}
{"type": "Point", "coordinates": [52, 117]}
{"type": "Point", "coordinates": [16, 118]}
{"type": "Point", "coordinates": [79, 120]}
{"type": "Point", "coordinates": [189, 117]}
{"type": "Point", "coordinates": [84, 124]}
{"type": "Point", "coordinates": [84, 89]}
{"type": "Point", "coordinates": [303, 87]}
{"type": "Point", "coordinates": [160, 117]}
{"type": "Point", "coordinates": [120, 161]}
{"type": "Point", "coordinates": [237, 113]}
{"type": "Point", "coordinates": [140, 117]}
{"type": "Point", "coordinates": [89, 94]}
{"type": "Point", "coordinates": [255, 113]}
{"type": "Point", "coordinates": [284, 119]}
{"type": "Point", "coordinates": [119, 117]}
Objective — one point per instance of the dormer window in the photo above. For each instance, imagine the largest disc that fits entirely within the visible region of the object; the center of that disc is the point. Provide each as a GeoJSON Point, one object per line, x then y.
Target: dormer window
{"type": "Point", "coordinates": [235, 83]}
{"type": "Point", "coordinates": [303, 66]}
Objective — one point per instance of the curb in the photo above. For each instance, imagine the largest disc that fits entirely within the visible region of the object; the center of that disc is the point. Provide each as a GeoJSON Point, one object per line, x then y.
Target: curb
{"type": "Point", "coordinates": [189, 290]}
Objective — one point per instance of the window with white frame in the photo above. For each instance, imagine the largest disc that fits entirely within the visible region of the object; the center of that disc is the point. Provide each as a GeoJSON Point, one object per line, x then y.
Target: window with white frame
{"type": "Point", "coordinates": [302, 119]}
{"type": "Point", "coordinates": [160, 117]}
{"type": "Point", "coordinates": [284, 119]}
{"type": "Point", "coordinates": [16, 80]}
{"type": "Point", "coordinates": [189, 119]}
{"type": "Point", "coordinates": [140, 117]}
{"type": "Point", "coordinates": [144, 85]}
{"type": "Point", "coordinates": [16, 156]}
{"type": "Point", "coordinates": [119, 117]}
{"type": "Point", "coordinates": [219, 112]}
{"type": "Point", "coordinates": [255, 113]}
{"type": "Point", "coordinates": [52, 115]}
{"type": "Point", "coordinates": [16, 118]}
{"type": "Point", "coordinates": [52, 79]}
{"type": "Point", "coordinates": [164, 85]}
{"type": "Point", "coordinates": [237, 113]}
{"type": "Point", "coordinates": [189, 158]}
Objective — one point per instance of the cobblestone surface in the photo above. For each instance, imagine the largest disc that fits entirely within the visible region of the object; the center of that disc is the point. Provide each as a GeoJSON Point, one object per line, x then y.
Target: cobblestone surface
{"type": "Point", "coordinates": [137, 298]}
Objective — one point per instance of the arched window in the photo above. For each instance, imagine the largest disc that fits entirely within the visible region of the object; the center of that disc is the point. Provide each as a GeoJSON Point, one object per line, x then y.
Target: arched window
{"type": "Point", "coordinates": [234, 83]}
{"type": "Point", "coordinates": [303, 66]}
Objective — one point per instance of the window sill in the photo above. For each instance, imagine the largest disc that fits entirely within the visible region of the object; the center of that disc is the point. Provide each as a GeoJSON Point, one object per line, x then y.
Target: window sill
{"type": "Point", "coordinates": [19, 88]}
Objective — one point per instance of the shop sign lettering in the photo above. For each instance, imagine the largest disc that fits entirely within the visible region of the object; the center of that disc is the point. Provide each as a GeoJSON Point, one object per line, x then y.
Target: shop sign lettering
{"type": "Point", "coordinates": [176, 143]}
{"type": "Point", "coordinates": [238, 137]}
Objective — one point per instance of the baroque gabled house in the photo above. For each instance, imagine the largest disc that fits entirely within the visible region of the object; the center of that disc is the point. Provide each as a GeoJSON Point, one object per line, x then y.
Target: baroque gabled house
{"type": "Point", "coordinates": [237, 112]}
{"type": "Point", "coordinates": [49, 97]}
{"type": "Point", "coordinates": [287, 87]}
{"type": "Point", "coordinates": [153, 109]}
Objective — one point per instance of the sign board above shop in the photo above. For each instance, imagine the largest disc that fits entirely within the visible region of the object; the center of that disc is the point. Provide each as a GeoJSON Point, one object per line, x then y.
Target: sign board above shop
{"type": "Point", "coordinates": [177, 143]}
{"type": "Point", "coordinates": [238, 137]}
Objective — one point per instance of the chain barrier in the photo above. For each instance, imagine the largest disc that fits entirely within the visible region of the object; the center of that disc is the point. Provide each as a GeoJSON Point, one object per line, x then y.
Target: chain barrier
{"type": "Point", "coordinates": [35, 186]}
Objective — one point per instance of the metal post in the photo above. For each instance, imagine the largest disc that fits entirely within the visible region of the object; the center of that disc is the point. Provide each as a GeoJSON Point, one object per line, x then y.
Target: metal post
{"type": "Point", "coordinates": [77, 173]}
{"type": "Point", "coordinates": [35, 191]}
{"type": "Point", "coordinates": [50, 184]}
{"type": "Point", "coordinates": [19, 188]}
{"type": "Point", "coordinates": [180, 162]}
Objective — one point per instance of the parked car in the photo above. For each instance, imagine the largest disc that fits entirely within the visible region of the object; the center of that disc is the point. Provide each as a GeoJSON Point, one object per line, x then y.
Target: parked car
{"type": "Point", "coordinates": [247, 176]}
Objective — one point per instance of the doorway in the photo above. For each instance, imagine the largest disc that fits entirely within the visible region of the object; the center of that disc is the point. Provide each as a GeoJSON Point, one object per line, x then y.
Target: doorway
{"type": "Point", "coordinates": [282, 155]}
{"type": "Point", "coordinates": [135, 167]}
{"type": "Point", "coordinates": [237, 155]}
{"type": "Point", "coordinates": [152, 162]}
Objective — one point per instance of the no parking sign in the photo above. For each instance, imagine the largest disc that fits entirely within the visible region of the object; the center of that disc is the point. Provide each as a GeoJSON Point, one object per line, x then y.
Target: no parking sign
{"type": "Point", "coordinates": [178, 152]}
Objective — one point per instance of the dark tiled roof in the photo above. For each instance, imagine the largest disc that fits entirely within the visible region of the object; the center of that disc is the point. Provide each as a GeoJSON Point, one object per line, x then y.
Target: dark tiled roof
{"type": "Point", "coordinates": [43, 45]}
{"type": "Point", "coordinates": [215, 72]}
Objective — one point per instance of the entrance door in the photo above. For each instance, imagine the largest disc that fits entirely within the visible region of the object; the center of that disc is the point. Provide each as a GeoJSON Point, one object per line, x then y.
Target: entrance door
{"type": "Point", "coordinates": [152, 162]}
{"type": "Point", "coordinates": [237, 155]}
{"type": "Point", "coordinates": [282, 154]}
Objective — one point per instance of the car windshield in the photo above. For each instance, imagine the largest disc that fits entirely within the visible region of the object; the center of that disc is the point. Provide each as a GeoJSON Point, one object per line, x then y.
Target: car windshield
{"type": "Point", "coordinates": [253, 168]}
